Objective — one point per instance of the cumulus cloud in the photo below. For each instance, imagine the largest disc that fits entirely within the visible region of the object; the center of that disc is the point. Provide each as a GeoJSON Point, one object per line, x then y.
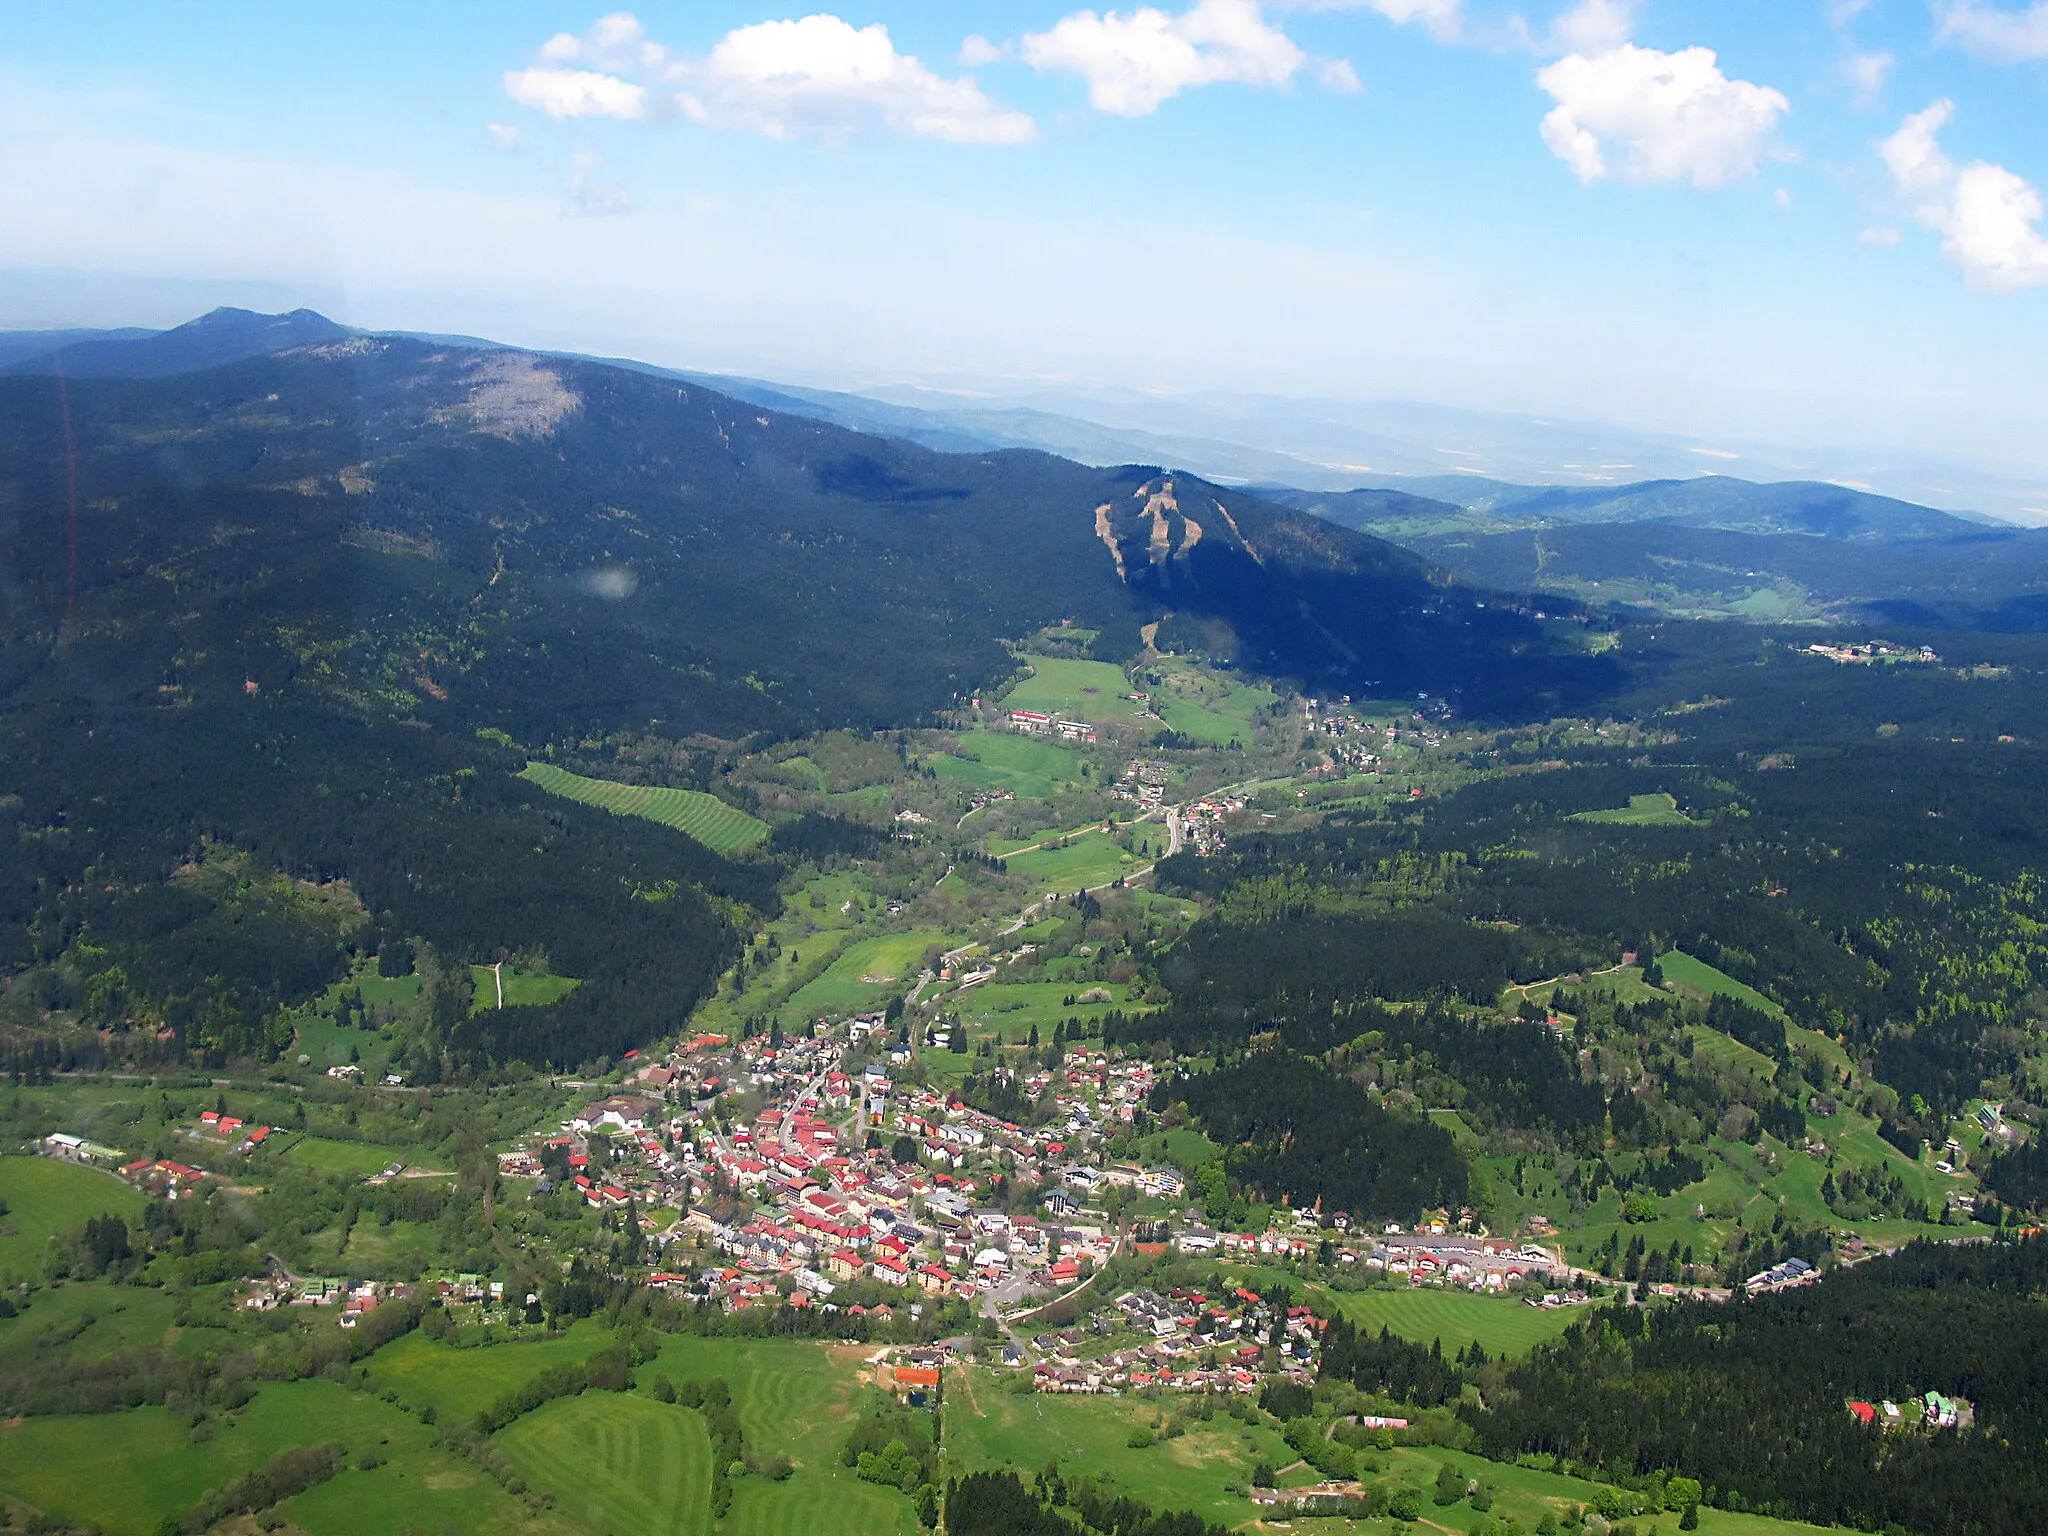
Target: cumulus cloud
{"type": "Point", "coordinates": [1134, 62]}
{"type": "Point", "coordinates": [1992, 32]}
{"type": "Point", "coordinates": [1882, 236]}
{"type": "Point", "coordinates": [1987, 216]}
{"type": "Point", "coordinates": [1651, 117]}
{"type": "Point", "coordinates": [506, 136]}
{"type": "Point", "coordinates": [816, 76]}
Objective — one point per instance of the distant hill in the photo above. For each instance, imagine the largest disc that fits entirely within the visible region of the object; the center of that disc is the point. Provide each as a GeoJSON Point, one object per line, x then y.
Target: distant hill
{"type": "Point", "coordinates": [223, 336]}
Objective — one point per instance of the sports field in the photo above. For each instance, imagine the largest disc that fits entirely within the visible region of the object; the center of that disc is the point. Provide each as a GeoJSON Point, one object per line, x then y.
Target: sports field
{"type": "Point", "coordinates": [867, 973]}
{"type": "Point", "coordinates": [47, 1198]}
{"type": "Point", "coordinates": [705, 817]}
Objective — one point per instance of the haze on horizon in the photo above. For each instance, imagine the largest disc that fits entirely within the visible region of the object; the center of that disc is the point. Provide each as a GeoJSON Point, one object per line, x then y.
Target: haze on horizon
{"type": "Point", "coordinates": [1810, 224]}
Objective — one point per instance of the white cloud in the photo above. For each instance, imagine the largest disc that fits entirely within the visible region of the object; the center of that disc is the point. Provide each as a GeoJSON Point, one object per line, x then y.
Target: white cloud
{"type": "Point", "coordinates": [815, 76]}
{"type": "Point", "coordinates": [592, 195]}
{"type": "Point", "coordinates": [563, 92]}
{"type": "Point", "coordinates": [1593, 26]}
{"type": "Point", "coordinates": [1882, 236]}
{"type": "Point", "coordinates": [506, 136]}
{"type": "Point", "coordinates": [1445, 19]}
{"type": "Point", "coordinates": [1867, 74]}
{"type": "Point", "coordinates": [1134, 62]}
{"type": "Point", "coordinates": [1654, 117]}
{"type": "Point", "coordinates": [1992, 32]}
{"type": "Point", "coordinates": [1782, 199]}
{"type": "Point", "coordinates": [978, 50]}
{"type": "Point", "coordinates": [1845, 11]}
{"type": "Point", "coordinates": [1986, 215]}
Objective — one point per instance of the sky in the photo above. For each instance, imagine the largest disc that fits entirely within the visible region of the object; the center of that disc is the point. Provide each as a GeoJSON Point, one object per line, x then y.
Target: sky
{"type": "Point", "coordinates": [1782, 221]}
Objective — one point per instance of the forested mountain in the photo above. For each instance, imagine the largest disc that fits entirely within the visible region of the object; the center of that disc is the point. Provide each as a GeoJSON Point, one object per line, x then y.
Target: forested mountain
{"type": "Point", "coordinates": [315, 604]}
{"type": "Point", "coordinates": [1716, 546]}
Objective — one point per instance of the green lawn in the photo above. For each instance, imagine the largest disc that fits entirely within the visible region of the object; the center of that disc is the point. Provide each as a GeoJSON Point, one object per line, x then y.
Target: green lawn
{"type": "Point", "coordinates": [1642, 811]}
{"type": "Point", "coordinates": [90, 1319]}
{"type": "Point", "coordinates": [521, 988]}
{"type": "Point", "coordinates": [705, 817]}
{"type": "Point", "coordinates": [1092, 859]}
{"type": "Point", "coordinates": [617, 1463]}
{"type": "Point", "coordinates": [1011, 1010]}
{"type": "Point", "coordinates": [47, 1198]}
{"type": "Point", "coordinates": [458, 1383]}
{"type": "Point", "coordinates": [329, 1044]}
{"type": "Point", "coordinates": [866, 974]}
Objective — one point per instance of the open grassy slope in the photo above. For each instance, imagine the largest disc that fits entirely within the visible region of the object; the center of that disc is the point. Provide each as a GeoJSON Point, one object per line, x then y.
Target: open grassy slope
{"type": "Point", "coordinates": [707, 818]}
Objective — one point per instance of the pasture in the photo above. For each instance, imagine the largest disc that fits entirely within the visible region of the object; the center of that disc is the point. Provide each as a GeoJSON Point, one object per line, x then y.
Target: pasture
{"type": "Point", "coordinates": [1457, 1318]}
{"type": "Point", "coordinates": [691, 812]}
{"type": "Point", "coordinates": [47, 1198]}
{"type": "Point", "coordinates": [1009, 1011]}
{"type": "Point", "coordinates": [361, 1158]}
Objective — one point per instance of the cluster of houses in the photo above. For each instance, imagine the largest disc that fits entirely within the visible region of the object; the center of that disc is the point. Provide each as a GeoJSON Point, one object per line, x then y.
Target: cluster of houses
{"type": "Point", "coordinates": [1865, 652]}
{"type": "Point", "coordinates": [1787, 1276]}
{"type": "Point", "coordinates": [1192, 1342]}
{"type": "Point", "coordinates": [1935, 1411]}
{"type": "Point", "coordinates": [1435, 1258]}
{"type": "Point", "coordinates": [231, 1132]}
{"type": "Point", "coordinates": [288, 1290]}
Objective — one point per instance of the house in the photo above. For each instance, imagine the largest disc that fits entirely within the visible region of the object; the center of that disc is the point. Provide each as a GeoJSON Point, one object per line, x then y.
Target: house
{"type": "Point", "coordinates": [1864, 1413]}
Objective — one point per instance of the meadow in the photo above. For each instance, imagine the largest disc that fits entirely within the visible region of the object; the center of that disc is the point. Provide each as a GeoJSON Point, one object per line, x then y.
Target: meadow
{"type": "Point", "coordinates": [707, 818]}
{"type": "Point", "coordinates": [47, 1198]}
{"type": "Point", "coordinates": [457, 1383]}
{"type": "Point", "coordinates": [1685, 974]}
{"type": "Point", "coordinates": [1029, 768]}
{"type": "Point", "coordinates": [520, 988]}
{"type": "Point", "coordinates": [617, 1462]}
{"type": "Point", "coordinates": [1085, 690]}
{"type": "Point", "coordinates": [866, 974]}
{"type": "Point", "coordinates": [1089, 860]}
{"type": "Point", "coordinates": [1010, 1011]}
{"type": "Point", "coordinates": [361, 1158]}
{"type": "Point", "coordinates": [1641, 811]}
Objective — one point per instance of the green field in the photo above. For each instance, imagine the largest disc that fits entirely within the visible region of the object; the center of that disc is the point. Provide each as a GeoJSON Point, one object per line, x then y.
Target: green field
{"type": "Point", "coordinates": [1458, 1318]}
{"type": "Point", "coordinates": [361, 1158]}
{"type": "Point", "coordinates": [45, 1199]}
{"type": "Point", "coordinates": [1686, 974]}
{"type": "Point", "coordinates": [521, 988]}
{"type": "Point", "coordinates": [618, 1463]}
{"type": "Point", "coordinates": [866, 974]}
{"type": "Point", "coordinates": [124, 1472]}
{"type": "Point", "coordinates": [1084, 690]}
{"type": "Point", "coordinates": [705, 817]}
{"type": "Point", "coordinates": [1092, 859]}
{"type": "Point", "coordinates": [1642, 811]}
{"type": "Point", "coordinates": [1029, 768]}
{"type": "Point", "coordinates": [1010, 1010]}
{"type": "Point", "coordinates": [458, 1382]}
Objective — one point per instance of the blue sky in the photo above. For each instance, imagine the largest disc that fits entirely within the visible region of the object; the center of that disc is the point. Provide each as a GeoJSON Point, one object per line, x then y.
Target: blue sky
{"type": "Point", "coordinates": [1799, 221]}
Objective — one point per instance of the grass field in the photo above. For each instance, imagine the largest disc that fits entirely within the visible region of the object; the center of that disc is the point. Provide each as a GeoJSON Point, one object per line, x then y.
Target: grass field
{"type": "Point", "coordinates": [1458, 1318]}
{"type": "Point", "coordinates": [865, 974]}
{"type": "Point", "coordinates": [1029, 768]}
{"type": "Point", "coordinates": [361, 1158]}
{"type": "Point", "coordinates": [618, 1463]}
{"type": "Point", "coordinates": [707, 818]}
{"type": "Point", "coordinates": [799, 1399]}
{"type": "Point", "coordinates": [90, 1319]}
{"type": "Point", "coordinates": [457, 1383]}
{"type": "Point", "coordinates": [1084, 690]}
{"type": "Point", "coordinates": [1010, 1011]}
{"type": "Point", "coordinates": [124, 1472]}
{"type": "Point", "coordinates": [1641, 811]}
{"type": "Point", "coordinates": [1092, 859]}
{"type": "Point", "coordinates": [46, 1198]}
{"type": "Point", "coordinates": [521, 988]}
{"type": "Point", "coordinates": [1686, 974]}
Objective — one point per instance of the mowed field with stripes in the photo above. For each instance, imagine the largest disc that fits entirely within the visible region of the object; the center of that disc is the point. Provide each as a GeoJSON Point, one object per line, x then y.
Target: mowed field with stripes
{"type": "Point", "coordinates": [707, 818]}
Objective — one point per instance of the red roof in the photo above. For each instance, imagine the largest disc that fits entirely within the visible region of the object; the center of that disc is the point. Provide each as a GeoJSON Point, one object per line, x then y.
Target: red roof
{"type": "Point", "coordinates": [1865, 1412]}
